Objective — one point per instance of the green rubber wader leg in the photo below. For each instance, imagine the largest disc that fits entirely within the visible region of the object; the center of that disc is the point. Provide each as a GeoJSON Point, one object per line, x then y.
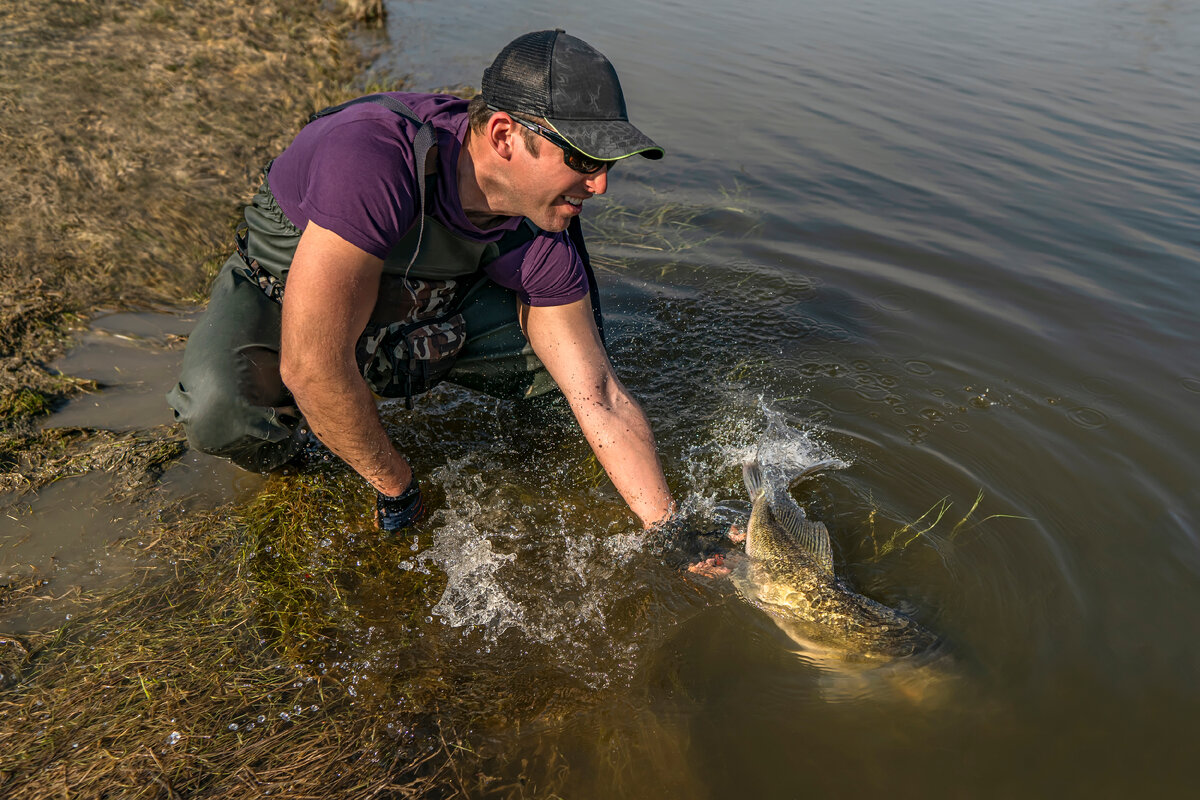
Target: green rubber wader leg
{"type": "Point", "coordinates": [229, 397]}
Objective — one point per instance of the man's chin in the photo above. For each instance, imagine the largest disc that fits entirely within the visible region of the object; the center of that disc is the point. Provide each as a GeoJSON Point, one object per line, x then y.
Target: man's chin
{"type": "Point", "coordinates": [552, 224]}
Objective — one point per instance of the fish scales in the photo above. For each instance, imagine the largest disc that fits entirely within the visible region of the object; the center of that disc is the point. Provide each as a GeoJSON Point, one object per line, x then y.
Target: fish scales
{"type": "Point", "coordinates": [792, 578]}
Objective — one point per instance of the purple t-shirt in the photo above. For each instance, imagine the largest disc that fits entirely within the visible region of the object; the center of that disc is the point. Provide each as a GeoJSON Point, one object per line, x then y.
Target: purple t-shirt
{"type": "Point", "coordinates": [352, 173]}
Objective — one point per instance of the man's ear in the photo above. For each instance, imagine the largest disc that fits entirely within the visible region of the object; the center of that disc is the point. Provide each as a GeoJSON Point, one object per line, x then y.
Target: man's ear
{"type": "Point", "coordinates": [501, 132]}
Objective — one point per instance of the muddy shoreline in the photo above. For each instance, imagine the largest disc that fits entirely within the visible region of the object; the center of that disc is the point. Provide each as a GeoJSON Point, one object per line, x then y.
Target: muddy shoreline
{"type": "Point", "coordinates": [131, 133]}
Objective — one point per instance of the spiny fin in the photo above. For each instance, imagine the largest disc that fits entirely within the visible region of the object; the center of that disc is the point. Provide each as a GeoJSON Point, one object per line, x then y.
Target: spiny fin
{"type": "Point", "coordinates": [813, 536]}
{"type": "Point", "coordinates": [753, 478]}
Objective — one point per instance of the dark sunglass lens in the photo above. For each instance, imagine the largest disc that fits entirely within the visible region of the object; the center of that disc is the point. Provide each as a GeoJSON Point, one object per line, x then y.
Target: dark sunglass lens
{"type": "Point", "coordinates": [581, 163]}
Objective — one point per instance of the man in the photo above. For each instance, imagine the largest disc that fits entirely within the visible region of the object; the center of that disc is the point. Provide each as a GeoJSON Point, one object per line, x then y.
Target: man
{"type": "Point", "coordinates": [403, 239]}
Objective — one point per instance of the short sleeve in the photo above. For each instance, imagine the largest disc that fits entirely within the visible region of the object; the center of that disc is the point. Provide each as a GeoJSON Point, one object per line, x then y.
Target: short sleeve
{"type": "Point", "coordinates": [361, 185]}
{"type": "Point", "coordinates": [547, 271]}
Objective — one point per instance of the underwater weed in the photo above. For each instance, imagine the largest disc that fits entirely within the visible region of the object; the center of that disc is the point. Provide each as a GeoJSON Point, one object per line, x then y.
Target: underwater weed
{"type": "Point", "coordinates": [217, 678]}
{"type": "Point", "coordinates": [911, 531]}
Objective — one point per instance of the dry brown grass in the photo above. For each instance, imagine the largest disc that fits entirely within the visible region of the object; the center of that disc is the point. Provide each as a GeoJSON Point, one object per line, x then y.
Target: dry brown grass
{"type": "Point", "coordinates": [130, 133]}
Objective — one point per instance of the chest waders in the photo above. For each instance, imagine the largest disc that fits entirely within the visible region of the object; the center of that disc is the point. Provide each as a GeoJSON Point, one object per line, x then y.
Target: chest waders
{"type": "Point", "coordinates": [437, 318]}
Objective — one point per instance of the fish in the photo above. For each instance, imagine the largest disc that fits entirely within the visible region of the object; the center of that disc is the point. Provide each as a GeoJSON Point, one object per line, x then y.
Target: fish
{"type": "Point", "coordinates": [789, 574]}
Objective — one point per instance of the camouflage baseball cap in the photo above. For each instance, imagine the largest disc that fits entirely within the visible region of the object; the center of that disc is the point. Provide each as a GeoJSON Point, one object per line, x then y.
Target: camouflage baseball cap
{"type": "Point", "coordinates": [571, 85]}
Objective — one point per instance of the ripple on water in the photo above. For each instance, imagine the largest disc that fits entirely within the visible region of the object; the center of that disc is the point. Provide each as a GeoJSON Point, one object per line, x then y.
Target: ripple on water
{"type": "Point", "coordinates": [1086, 417]}
{"type": "Point", "coordinates": [1101, 387]}
{"type": "Point", "coordinates": [1191, 384]}
{"type": "Point", "coordinates": [894, 302]}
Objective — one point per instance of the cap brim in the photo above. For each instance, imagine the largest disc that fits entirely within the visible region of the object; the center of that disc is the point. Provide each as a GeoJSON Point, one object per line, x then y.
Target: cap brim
{"type": "Point", "coordinates": [607, 140]}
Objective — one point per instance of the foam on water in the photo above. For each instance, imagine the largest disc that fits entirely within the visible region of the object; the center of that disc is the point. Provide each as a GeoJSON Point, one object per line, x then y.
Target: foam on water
{"type": "Point", "coordinates": [521, 567]}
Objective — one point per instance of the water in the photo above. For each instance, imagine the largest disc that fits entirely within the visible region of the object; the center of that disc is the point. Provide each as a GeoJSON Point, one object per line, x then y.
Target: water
{"type": "Point", "coordinates": [85, 532]}
{"type": "Point", "coordinates": [952, 245]}
{"type": "Point", "coordinates": [956, 243]}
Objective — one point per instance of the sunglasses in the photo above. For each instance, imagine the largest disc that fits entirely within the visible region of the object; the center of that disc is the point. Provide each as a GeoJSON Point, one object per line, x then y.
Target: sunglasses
{"type": "Point", "coordinates": [585, 165]}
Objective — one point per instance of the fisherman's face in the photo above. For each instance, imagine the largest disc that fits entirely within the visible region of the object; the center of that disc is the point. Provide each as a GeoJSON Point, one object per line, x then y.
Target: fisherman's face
{"type": "Point", "coordinates": [553, 193]}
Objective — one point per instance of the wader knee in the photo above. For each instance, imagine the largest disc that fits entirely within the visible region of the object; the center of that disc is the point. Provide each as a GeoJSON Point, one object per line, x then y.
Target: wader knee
{"type": "Point", "coordinates": [229, 398]}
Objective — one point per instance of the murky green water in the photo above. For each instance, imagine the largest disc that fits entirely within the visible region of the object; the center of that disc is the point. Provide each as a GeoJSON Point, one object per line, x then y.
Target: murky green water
{"type": "Point", "coordinates": [952, 244]}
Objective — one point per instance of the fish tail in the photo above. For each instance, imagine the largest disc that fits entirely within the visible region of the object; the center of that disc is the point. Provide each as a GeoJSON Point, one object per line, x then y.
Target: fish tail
{"type": "Point", "coordinates": [753, 477]}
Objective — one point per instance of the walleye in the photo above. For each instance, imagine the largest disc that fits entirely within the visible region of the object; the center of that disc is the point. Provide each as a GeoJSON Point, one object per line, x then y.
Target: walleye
{"type": "Point", "coordinates": [789, 574]}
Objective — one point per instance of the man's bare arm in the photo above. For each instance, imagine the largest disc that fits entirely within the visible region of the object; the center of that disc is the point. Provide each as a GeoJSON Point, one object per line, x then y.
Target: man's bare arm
{"type": "Point", "coordinates": [566, 340]}
{"type": "Point", "coordinates": [331, 290]}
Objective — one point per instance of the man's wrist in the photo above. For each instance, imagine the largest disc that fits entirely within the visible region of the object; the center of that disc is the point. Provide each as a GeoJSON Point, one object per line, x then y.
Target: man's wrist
{"type": "Point", "coordinates": [396, 512]}
{"type": "Point", "coordinates": [396, 483]}
{"type": "Point", "coordinates": [670, 514]}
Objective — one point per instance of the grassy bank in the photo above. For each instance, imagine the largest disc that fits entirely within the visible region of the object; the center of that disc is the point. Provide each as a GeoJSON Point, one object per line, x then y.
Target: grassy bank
{"type": "Point", "coordinates": [221, 676]}
{"type": "Point", "coordinates": [131, 132]}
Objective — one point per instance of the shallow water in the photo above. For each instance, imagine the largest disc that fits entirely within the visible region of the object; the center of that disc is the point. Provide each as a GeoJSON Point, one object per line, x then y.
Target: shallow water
{"type": "Point", "coordinates": [950, 244]}
{"type": "Point", "coordinates": [68, 536]}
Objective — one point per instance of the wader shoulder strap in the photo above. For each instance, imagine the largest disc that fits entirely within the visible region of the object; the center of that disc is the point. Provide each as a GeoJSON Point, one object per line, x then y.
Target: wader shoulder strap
{"type": "Point", "coordinates": [575, 231]}
{"type": "Point", "coordinates": [425, 139]}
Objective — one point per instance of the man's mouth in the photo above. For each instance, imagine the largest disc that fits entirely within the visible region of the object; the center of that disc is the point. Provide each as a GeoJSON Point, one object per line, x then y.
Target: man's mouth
{"type": "Point", "coordinates": [575, 201]}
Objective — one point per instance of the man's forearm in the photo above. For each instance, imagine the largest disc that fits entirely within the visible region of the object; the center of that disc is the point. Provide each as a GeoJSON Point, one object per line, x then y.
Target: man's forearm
{"type": "Point", "coordinates": [620, 436]}
{"type": "Point", "coordinates": [341, 411]}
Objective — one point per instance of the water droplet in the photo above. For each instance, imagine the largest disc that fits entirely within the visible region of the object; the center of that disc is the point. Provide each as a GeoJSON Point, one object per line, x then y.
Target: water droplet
{"type": "Point", "coordinates": [428, 619]}
{"type": "Point", "coordinates": [285, 716]}
{"type": "Point", "coordinates": [233, 726]}
{"type": "Point", "coordinates": [174, 737]}
{"type": "Point", "coordinates": [262, 717]}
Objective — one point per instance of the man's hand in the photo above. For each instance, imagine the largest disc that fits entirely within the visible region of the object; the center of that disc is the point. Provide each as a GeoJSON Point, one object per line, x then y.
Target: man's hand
{"type": "Point", "coordinates": [566, 340]}
{"type": "Point", "coordinates": [331, 290]}
{"type": "Point", "coordinates": [720, 565]}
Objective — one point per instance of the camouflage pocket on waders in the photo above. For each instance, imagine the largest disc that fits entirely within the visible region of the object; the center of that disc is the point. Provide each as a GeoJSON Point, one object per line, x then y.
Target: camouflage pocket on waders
{"type": "Point", "coordinates": [413, 354]}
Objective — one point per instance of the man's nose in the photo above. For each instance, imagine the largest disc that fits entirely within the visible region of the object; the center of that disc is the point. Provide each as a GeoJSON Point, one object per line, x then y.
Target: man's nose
{"type": "Point", "coordinates": [598, 183]}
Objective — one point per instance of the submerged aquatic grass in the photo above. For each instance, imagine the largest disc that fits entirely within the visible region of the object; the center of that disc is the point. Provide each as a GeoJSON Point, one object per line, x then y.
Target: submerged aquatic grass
{"type": "Point", "coordinates": [669, 227]}
{"type": "Point", "coordinates": [924, 525]}
{"type": "Point", "coordinates": [222, 676]}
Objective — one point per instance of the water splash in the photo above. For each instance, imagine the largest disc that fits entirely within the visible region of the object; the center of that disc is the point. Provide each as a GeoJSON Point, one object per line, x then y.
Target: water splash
{"type": "Point", "coordinates": [785, 451]}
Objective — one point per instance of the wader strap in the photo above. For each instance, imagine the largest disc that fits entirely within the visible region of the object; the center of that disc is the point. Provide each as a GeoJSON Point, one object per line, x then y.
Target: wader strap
{"type": "Point", "coordinates": [422, 142]}
{"type": "Point", "coordinates": [575, 231]}
{"type": "Point", "coordinates": [267, 282]}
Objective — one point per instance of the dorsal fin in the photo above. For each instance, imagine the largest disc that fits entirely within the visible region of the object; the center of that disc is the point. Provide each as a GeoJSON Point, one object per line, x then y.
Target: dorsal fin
{"type": "Point", "coordinates": [813, 536]}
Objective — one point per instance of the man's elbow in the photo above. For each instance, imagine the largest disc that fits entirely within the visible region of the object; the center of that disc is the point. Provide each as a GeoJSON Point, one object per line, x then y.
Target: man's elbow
{"type": "Point", "coordinates": [299, 374]}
